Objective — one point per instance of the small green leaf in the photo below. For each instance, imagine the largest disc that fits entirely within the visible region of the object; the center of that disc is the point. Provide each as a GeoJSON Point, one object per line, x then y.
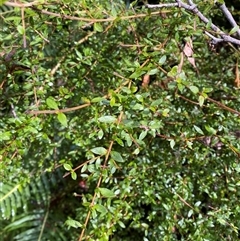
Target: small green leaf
{"type": "Point", "coordinates": [197, 204]}
{"type": "Point", "coordinates": [51, 103]}
{"type": "Point", "coordinates": [74, 175]}
{"type": "Point", "coordinates": [209, 24]}
{"type": "Point", "coordinates": [138, 107]}
{"type": "Point", "coordinates": [201, 100]}
{"type": "Point", "coordinates": [210, 130]}
{"type": "Point", "coordinates": [136, 74]}
{"type": "Point", "coordinates": [67, 167]}
{"type": "Point", "coordinates": [97, 99]}
{"type": "Point", "coordinates": [190, 213]}
{"type": "Point", "coordinates": [112, 101]}
{"type": "Point", "coordinates": [153, 71]}
{"type": "Point", "coordinates": [62, 119]}
{"type": "Point", "coordinates": [78, 54]}
{"type": "Point", "coordinates": [173, 71]}
{"type": "Point", "coordinates": [207, 90]}
{"type": "Point", "coordinates": [100, 208]}
{"type": "Point", "coordinates": [84, 168]}
{"type": "Point", "coordinates": [116, 156]}
{"type": "Point", "coordinates": [143, 135]}
{"type": "Point", "coordinates": [119, 141]}
{"type": "Point", "coordinates": [198, 130]}
{"type": "Point", "coordinates": [180, 87]}
{"type": "Point", "coordinates": [136, 151]}
{"type": "Point", "coordinates": [20, 29]}
{"type": "Point", "coordinates": [139, 97]}
{"type": "Point", "coordinates": [73, 223]}
{"type": "Point", "coordinates": [106, 192]}
{"type": "Point", "coordinates": [194, 89]}
{"type": "Point", "coordinates": [189, 144]}
{"type": "Point", "coordinates": [162, 60]}
{"type": "Point", "coordinates": [99, 150]}
{"type": "Point", "coordinates": [121, 224]}
{"type": "Point", "coordinates": [234, 30]}
{"type": "Point", "coordinates": [165, 112]}
{"type": "Point", "coordinates": [98, 27]}
{"type": "Point", "coordinates": [107, 119]}
{"type": "Point", "coordinates": [172, 144]}
{"type": "Point", "coordinates": [100, 134]}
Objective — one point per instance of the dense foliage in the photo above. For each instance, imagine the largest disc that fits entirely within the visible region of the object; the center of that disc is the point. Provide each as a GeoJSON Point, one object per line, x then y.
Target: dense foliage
{"type": "Point", "coordinates": [117, 124]}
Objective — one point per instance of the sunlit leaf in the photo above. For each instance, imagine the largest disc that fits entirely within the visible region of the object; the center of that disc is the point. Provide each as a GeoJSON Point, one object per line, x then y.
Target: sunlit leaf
{"type": "Point", "coordinates": [51, 103]}
{"type": "Point", "coordinates": [99, 150]}
{"type": "Point", "coordinates": [98, 27]}
{"type": "Point", "coordinates": [106, 192]}
{"type": "Point", "coordinates": [194, 89]}
{"type": "Point", "coordinates": [74, 175]}
{"type": "Point", "coordinates": [107, 119]}
{"type": "Point", "coordinates": [116, 156]}
{"type": "Point", "coordinates": [62, 119]}
{"type": "Point", "coordinates": [67, 167]}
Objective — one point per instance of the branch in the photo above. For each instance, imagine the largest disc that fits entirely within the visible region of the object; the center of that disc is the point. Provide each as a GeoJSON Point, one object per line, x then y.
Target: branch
{"type": "Point", "coordinates": [229, 17]}
{"type": "Point", "coordinates": [22, 5]}
{"type": "Point", "coordinates": [191, 7]}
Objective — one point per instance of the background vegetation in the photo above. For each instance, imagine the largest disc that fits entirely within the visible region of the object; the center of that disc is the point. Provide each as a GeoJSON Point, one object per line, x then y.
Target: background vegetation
{"type": "Point", "coordinates": [117, 123]}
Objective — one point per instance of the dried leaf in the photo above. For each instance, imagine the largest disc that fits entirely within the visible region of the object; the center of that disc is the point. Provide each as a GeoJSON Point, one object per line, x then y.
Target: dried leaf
{"type": "Point", "coordinates": [187, 50]}
{"type": "Point", "coordinates": [191, 60]}
{"type": "Point", "coordinates": [237, 80]}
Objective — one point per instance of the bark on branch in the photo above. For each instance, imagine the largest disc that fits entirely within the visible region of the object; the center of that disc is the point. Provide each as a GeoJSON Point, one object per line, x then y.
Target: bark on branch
{"type": "Point", "coordinates": [191, 7]}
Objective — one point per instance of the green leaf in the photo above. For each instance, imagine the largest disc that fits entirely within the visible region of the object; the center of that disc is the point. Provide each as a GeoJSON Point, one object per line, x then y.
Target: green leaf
{"type": "Point", "coordinates": [20, 29]}
{"type": "Point", "coordinates": [209, 23]}
{"type": "Point", "coordinates": [14, 18]}
{"type": "Point", "coordinates": [100, 134]}
{"type": "Point", "coordinates": [67, 166]}
{"type": "Point", "coordinates": [153, 71]}
{"type": "Point", "coordinates": [172, 144]}
{"type": "Point", "coordinates": [98, 27]}
{"type": "Point", "coordinates": [139, 97]}
{"type": "Point", "coordinates": [97, 99]}
{"type": "Point", "coordinates": [106, 192]}
{"type": "Point", "coordinates": [198, 130]}
{"type": "Point", "coordinates": [165, 112]}
{"type": "Point", "coordinates": [99, 151]}
{"type": "Point", "coordinates": [201, 100]}
{"type": "Point", "coordinates": [143, 135]}
{"type": "Point", "coordinates": [62, 119]}
{"type": "Point", "coordinates": [121, 224]}
{"type": "Point", "coordinates": [173, 71]}
{"type": "Point", "coordinates": [100, 208]}
{"type": "Point", "coordinates": [234, 30]}
{"type": "Point", "coordinates": [137, 74]}
{"type": "Point", "coordinates": [116, 156]}
{"type": "Point", "coordinates": [194, 89]}
{"type": "Point", "coordinates": [210, 130]}
{"type": "Point", "coordinates": [107, 119]}
{"type": "Point", "coordinates": [138, 107]}
{"type": "Point", "coordinates": [119, 141]}
{"type": "Point", "coordinates": [73, 223]}
{"type": "Point", "coordinates": [189, 144]}
{"type": "Point", "coordinates": [74, 175]}
{"type": "Point", "coordinates": [162, 60]}
{"type": "Point", "coordinates": [51, 103]}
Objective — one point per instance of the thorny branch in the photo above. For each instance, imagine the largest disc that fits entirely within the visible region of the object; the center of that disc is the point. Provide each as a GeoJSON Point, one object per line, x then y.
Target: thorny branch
{"type": "Point", "coordinates": [191, 7]}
